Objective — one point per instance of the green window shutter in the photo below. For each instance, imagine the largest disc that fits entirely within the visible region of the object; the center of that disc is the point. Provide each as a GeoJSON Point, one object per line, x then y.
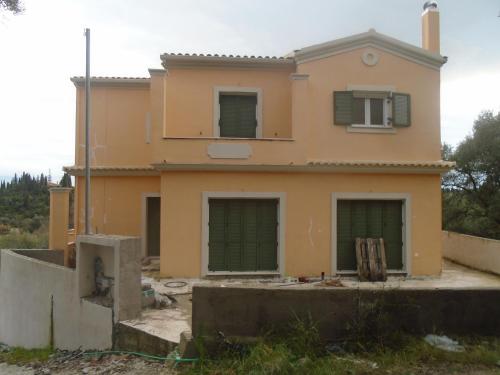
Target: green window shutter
{"type": "Point", "coordinates": [358, 111]}
{"type": "Point", "coordinates": [401, 109]}
{"type": "Point", "coordinates": [369, 219]}
{"type": "Point", "coordinates": [216, 230]}
{"type": "Point", "coordinates": [342, 107]}
{"type": "Point", "coordinates": [238, 116]}
{"type": "Point", "coordinates": [243, 235]}
{"type": "Point", "coordinates": [267, 245]}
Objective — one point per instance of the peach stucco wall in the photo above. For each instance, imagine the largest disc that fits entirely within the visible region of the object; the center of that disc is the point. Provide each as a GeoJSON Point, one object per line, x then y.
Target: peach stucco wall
{"type": "Point", "coordinates": [116, 203]}
{"type": "Point", "coordinates": [420, 141]}
{"type": "Point", "coordinates": [308, 216]}
{"type": "Point", "coordinates": [118, 126]}
{"type": "Point", "coordinates": [189, 99]}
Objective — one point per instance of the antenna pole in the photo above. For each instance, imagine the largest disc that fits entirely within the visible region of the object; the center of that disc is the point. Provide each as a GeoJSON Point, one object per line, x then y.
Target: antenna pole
{"type": "Point", "coordinates": [87, 131]}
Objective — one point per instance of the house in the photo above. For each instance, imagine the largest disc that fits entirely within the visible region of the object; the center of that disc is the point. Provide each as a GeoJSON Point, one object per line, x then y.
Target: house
{"type": "Point", "coordinates": [250, 165]}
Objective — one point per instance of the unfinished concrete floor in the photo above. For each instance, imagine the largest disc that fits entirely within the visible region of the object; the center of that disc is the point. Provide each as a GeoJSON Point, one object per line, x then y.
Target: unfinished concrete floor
{"type": "Point", "coordinates": [168, 323]}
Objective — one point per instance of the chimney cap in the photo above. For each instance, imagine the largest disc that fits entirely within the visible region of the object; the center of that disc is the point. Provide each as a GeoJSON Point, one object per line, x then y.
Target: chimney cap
{"type": "Point", "coordinates": [431, 5]}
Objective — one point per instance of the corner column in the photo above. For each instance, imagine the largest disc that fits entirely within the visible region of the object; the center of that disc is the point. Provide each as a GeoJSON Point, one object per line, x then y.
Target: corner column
{"type": "Point", "coordinates": [59, 220]}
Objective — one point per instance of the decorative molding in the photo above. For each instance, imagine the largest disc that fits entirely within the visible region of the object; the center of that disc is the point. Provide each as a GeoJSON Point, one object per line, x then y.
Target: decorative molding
{"type": "Point", "coordinates": [371, 39]}
{"type": "Point", "coordinates": [229, 150]}
{"type": "Point", "coordinates": [281, 196]}
{"type": "Point", "coordinates": [407, 227]}
{"type": "Point", "coordinates": [370, 57]}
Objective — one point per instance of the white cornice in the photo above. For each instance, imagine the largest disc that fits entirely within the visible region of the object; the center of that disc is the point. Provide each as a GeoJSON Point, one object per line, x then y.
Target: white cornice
{"type": "Point", "coordinates": [369, 39]}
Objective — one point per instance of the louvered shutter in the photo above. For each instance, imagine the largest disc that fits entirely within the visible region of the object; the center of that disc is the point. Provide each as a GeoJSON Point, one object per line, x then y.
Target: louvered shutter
{"type": "Point", "coordinates": [238, 117]}
{"type": "Point", "coordinates": [342, 107]}
{"type": "Point", "coordinates": [243, 235]}
{"type": "Point", "coordinates": [401, 109]}
{"type": "Point", "coordinates": [369, 219]}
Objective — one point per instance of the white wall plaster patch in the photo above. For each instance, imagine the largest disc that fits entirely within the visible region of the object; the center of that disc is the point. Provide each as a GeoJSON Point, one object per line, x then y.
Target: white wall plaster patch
{"type": "Point", "coordinates": [229, 151]}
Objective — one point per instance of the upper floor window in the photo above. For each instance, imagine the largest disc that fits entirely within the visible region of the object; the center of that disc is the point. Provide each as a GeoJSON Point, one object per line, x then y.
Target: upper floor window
{"type": "Point", "coordinates": [237, 112]}
{"type": "Point", "coordinates": [371, 109]}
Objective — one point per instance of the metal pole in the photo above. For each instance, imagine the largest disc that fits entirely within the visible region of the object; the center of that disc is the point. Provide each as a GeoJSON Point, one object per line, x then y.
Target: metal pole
{"type": "Point", "coordinates": [87, 132]}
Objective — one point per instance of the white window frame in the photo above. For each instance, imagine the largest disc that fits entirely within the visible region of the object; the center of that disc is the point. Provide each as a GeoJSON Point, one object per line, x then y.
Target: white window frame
{"type": "Point", "coordinates": [387, 112]}
{"type": "Point", "coordinates": [406, 228]}
{"type": "Point", "coordinates": [236, 90]}
{"type": "Point", "coordinates": [387, 107]}
{"type": "Point", "coordinates": [280, 196]}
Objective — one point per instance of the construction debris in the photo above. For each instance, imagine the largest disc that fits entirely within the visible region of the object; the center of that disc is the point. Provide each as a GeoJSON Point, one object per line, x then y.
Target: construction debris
{"type": "Point", "coordinates": [444, 343]}
{"type": "Point", "coordinates": [332, 282]}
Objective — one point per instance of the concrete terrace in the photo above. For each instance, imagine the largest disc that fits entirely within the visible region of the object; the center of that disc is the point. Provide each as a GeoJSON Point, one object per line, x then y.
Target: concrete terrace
{"type": "Point", "coordinates": [168, 323]}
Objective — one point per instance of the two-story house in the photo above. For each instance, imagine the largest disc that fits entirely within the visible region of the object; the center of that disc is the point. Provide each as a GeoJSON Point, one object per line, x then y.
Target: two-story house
{"type": "Point", "coordinates": [229, 165]}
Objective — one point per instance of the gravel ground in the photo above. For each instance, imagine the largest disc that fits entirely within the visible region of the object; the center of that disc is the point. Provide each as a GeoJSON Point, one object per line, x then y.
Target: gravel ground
{"type": "Point", "coordinates": [105, 365]}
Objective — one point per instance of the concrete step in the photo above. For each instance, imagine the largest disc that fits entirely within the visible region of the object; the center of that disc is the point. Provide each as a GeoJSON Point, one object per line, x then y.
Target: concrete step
{"type": "Point", "coordinates": [187, 346]}
{"type": "Point", "coordinates": [129, 338]}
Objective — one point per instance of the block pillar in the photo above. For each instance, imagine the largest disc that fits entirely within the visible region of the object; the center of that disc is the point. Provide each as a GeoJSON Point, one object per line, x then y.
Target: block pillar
{"type": "Point", "coordinates": [59, 220]}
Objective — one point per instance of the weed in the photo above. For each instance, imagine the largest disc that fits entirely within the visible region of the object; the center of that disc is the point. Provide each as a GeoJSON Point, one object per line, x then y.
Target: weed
{"type": "Point", "coordinates": [20, 356]}
{"type": "Point", "coordinates": [301, 351]}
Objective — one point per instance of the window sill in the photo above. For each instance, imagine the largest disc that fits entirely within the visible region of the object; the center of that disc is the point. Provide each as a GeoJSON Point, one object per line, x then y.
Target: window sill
{"type": "Point", "coordinates": [232, 139]}
{"type": "Point", "coordinates": [370, 129]}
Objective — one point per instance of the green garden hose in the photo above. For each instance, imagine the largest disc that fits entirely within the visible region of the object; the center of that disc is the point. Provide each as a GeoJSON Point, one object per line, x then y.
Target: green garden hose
{"type": "Point", "coordinates": [174, 356]}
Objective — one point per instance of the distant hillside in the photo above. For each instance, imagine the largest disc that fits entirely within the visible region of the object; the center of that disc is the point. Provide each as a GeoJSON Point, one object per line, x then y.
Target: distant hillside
{"type": "Point", "coordinates": [24, 202]}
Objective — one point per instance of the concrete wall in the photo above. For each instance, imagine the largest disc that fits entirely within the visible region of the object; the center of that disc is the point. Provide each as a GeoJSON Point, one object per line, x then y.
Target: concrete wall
{"type": "Point", "coordinates": [476, 252]}
{"type": "Point", "coordinates": [49, 256]}
{"type": "Point", "coordinates": [121, 258]}
{"type": "Point", "coordinates": [32, 291]}
{"type": "Point", "coordinates": [252, 312]}
{"type": "Point", "coordinates": [40, 302]}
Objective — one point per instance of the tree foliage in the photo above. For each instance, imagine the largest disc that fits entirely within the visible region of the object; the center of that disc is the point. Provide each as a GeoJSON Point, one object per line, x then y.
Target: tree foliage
{"type": "Point", "coordinates": [24, 202]}
{"type": "Point", "coordinates": [471, 192]}
{"type": "Point", "coordinates": [14, 6]}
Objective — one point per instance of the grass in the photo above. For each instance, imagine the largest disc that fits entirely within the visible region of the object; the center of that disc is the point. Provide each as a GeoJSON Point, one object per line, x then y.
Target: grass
{"type": "Point", "coordinates": [300, 351]}
{"type": "Point", "coordinates": [24, 240]}
{"type": "Point", "coordinates": [21, 356]}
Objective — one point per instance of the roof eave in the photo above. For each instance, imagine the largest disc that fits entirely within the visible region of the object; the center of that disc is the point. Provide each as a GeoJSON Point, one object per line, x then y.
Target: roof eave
{"type": "Point", "coordinates": [197, 61]}
{"type": "Point", "coordinates": [111, 81]}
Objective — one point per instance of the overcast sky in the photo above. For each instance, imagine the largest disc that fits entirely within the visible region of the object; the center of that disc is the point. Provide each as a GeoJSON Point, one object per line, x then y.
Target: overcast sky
{"type": "Point", "coordinates": [43, 47]}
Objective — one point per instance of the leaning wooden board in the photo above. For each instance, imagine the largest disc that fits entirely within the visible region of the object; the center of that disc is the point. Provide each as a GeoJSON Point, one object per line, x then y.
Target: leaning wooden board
{"type": "Point", "coordinates": [370, 259]}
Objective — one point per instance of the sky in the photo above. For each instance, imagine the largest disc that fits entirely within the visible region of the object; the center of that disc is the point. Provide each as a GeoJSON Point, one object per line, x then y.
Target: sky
{"type": "Point", "coordinates": [44, 46]}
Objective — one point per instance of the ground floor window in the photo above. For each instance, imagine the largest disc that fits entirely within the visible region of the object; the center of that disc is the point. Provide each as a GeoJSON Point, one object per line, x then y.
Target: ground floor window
{"type": "Point", "coordinates": [243, 235]}
{"type": "Point", "coordinates": [369, 219]}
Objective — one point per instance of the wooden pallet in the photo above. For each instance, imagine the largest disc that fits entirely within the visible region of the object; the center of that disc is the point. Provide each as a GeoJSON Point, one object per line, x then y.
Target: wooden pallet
{"type": "Point", "coordinates": [370, 259]}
